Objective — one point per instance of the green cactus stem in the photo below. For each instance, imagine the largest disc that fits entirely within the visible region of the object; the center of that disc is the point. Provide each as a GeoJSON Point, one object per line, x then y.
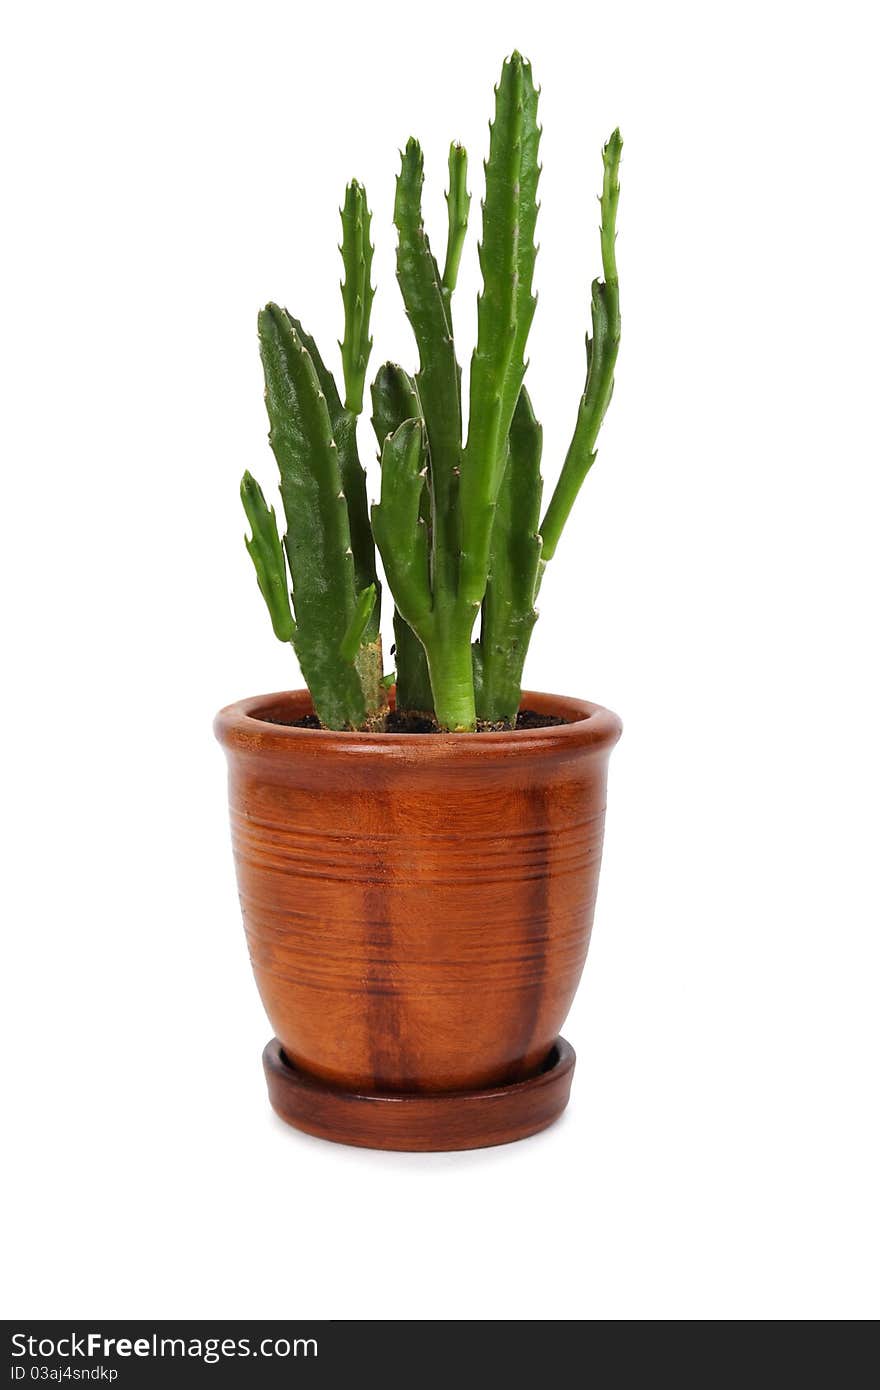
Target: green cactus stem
{"type": "Point", "coordinates": [357, 294]}
{"type": "Point", "coordinates": [354, 479]}
{"type": "Point", "coordinates": [353, 636]}
{"type": "Point", "coordinates": [438, 377]}
{"type": "Point", "coordinates": [412, 681]}
{"type": "Point", "coordinates": [442, 627]}
{"type": "Point", "coordinates": [395, 399]}
{"type": "Point", "coordinates": [505, 311]}
{"type": "Point", "coordinates": [399, 528]}
{"type": "Point", "coordinates": [266, 551]}
{"type": "Point", "coordinates": [602, 350]}
{"type": "Point", "coordinates": [508, 613]}
{"type": "Point", "coordinates": [318, 541]}
{"type": "Point", "coordinates": [458, 202]}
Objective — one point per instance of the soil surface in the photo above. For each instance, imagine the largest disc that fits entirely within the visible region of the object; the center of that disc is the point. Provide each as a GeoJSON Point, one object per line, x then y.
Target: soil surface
{"type": "Point", "coordinates": [402, 723]}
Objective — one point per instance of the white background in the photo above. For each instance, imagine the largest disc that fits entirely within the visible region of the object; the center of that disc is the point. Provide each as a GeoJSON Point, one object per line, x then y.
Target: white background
{"type": "Point", "coordinates": [169, 167]}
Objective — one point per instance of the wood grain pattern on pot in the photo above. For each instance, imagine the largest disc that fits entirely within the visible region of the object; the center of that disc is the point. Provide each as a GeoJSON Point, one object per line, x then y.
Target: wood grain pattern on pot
{"type": "Point", "coordinates": [417, 909]}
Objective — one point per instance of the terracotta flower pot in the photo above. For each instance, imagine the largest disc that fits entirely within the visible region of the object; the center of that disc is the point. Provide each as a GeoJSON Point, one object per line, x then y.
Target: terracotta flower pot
{"type": "Point", "coordinates": [418, 910]}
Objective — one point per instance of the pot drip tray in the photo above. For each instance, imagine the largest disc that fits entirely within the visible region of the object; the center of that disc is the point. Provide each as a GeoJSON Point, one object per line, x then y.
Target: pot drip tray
{"type": "Point", "coordinates": [420, 1122]}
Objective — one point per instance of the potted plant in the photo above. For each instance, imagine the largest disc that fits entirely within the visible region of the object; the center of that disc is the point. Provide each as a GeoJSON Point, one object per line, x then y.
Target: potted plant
{"type": "Point", "coordinates": [418, 853]}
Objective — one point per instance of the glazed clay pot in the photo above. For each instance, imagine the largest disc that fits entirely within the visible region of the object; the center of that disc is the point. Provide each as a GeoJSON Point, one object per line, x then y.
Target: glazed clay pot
{"type": "Point", "coordinates": [418, 910]}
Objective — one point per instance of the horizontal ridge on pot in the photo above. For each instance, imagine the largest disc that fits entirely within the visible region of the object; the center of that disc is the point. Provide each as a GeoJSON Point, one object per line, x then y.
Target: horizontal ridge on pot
{"type": "Point", "coordinates": [417, 907]}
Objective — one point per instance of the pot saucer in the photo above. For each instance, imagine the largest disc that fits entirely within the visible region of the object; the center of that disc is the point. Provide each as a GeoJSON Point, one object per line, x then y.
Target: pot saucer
{"type": "Point", "coordinates": [420, 1122]}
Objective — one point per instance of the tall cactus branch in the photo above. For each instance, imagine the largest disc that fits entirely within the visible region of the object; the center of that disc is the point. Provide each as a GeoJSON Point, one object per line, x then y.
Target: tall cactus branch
{"type": "Point", "coordinates": [505, 311]}
{"type": "Point", "coordinates": [602, 350]}
{"type": "Point", "coordinates": [444, 629]}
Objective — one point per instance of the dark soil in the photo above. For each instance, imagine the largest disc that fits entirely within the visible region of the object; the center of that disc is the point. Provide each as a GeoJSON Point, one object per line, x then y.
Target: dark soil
{"type": "Point", "coordinates": [308, 721]}
{"type": "Point", "coordinates": [531, 719]}
{"type": "Point", "coordinates": [400, 722]}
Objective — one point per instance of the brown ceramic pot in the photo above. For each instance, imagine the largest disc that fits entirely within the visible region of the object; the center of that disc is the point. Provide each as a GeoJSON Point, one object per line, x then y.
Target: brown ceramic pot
{"type": "Point", "coordinates": [418, 910]}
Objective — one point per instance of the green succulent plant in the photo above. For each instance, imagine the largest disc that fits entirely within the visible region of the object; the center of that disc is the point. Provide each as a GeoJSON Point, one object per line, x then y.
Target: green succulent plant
{"type": "Point", "coordinates": [458, 523]}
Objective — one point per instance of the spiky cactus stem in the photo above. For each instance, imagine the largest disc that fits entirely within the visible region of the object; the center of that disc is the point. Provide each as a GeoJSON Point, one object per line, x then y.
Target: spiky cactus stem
{"type": "Point", "coordinates": [602, 349]}
{"type": "Point", "coordinates": [318, 541]}
{"type": "Point", "coordinates": [435, 617]}
{"type": "Point", "coordinates": [519, 554]}
{"type": "Point", "coordinates": [357, 294]}
{"type": "Point", "coordinates": [505, 311]}
{"type": "Point", "coordinates": [354, 479]}
{"type": "Point", "coordinates": [437, 379]}
{"type": "Point", "coordinates": [267, 554]}
{"type": "Point", "coordinates": [354, 486]}
{"type": "Point", "coordinates": [508, 613]}
{"type": "Point", "coordinates": [395, 399]}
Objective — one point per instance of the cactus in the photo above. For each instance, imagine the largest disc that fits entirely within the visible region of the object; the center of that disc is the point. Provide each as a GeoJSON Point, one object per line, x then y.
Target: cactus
{"type": "Point", "coordinates": [457, 523]}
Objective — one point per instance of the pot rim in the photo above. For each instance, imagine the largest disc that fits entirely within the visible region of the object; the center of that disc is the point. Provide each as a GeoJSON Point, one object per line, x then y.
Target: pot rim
{"type": "Point", "coordinates": [240, 725]}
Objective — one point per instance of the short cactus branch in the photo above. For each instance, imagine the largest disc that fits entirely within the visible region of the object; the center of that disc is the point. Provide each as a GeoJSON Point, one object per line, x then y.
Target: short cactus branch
{"type": "Point", "coordinates": [266, 551]}
{"type": "Point", "coordinates": [354, 633]}
{"type": "Point", "coordinates": [395, 399]}
{"type": "Point", "coordinates": [400, 531]}
{"type": "Point", "coordinates": [357, 294]}
{"type": "Point", "coordinates": [458, 202]}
